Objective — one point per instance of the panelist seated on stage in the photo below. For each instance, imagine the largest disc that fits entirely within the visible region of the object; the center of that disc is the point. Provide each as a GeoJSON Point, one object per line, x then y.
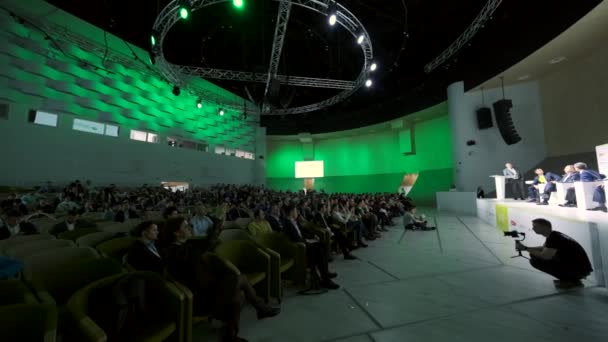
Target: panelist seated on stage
{"type": "Point", "coordinates": [542, 178]}
{"type": "Point", "coordinates": [588, 175]}
{"type": "Point", "coordinates": [560, 256]}
{"type": "Point", "coordinates": [599, 196]}
{"type": "Point", "coordinates": [570, 176]}
{"type": "Point", "coordinates": [514, 180]}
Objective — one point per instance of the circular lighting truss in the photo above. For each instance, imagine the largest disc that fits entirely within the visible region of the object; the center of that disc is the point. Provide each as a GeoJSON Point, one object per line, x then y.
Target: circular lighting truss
{"type": "Point", "coordinates": [180, 75]}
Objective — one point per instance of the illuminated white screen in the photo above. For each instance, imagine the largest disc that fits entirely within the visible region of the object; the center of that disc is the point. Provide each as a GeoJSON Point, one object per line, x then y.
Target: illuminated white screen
{"type": "Point", "coordinates": [309, 169]}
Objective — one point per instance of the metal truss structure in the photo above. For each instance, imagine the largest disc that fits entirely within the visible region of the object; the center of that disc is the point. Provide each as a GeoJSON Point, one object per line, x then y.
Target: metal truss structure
{"type": "Point", "coordinates": [180, 75]}
{"type": "Point", "coordinates": [483, 16]}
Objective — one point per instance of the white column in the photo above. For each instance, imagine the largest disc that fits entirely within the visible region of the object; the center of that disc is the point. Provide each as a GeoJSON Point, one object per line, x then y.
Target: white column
{"type": "Point", "coordinates": [460, 124]}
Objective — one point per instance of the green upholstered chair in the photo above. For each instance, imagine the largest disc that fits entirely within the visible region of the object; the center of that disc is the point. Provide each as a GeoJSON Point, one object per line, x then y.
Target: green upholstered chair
{"type": "Point", "coordinates": [24, 250]}
{"type": "Point", "coordinates": [164, 310]}
{"type": "Point", "coordinates": [17, 240]}
{"type": "Point", "coordinates": [293, 262]}
{"type": "Point", "coordinates": [22, 317]}
{"type": "Point", "coordinates": [76, 233]}
{"type": "Point", "coordinates": [116, 248]}
{"type": "Point", "coordinates": [250, 260]}
{"type": "Point", "coordinates": [94, 239]}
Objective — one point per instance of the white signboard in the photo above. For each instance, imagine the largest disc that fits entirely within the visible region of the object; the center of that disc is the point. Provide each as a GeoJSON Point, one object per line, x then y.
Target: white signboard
{"type": "Point", "coordinates": [602, 158]}
{"type": "Point", "coordinates": [309, 169]}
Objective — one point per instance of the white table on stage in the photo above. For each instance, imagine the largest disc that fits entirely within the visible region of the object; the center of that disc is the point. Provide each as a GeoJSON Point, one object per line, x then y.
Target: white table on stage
{"type": "Point", "coordinates": [584, 194]}
{"type": "Point", "coordinates": [500, 186]}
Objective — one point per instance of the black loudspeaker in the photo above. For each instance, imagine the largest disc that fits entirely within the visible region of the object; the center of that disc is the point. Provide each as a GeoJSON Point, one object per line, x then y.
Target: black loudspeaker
{"type": "Point", "coordinates": [484, 118]}
{"type": "Point", "coordinates": [502, 113]}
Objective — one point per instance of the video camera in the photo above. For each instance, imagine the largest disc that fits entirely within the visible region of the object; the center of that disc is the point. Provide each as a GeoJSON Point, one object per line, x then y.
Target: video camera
{"type": "Point", "coordinates": [515, 234]}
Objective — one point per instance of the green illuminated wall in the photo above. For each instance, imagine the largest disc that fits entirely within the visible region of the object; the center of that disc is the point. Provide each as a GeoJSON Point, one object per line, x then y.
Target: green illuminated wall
{"type": "Point", "coordinates": [371, 162]}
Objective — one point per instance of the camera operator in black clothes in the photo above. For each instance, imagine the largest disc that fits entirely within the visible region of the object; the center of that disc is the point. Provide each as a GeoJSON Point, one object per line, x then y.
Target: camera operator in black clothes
{"type": "Point", "coordinates": [560, 256]}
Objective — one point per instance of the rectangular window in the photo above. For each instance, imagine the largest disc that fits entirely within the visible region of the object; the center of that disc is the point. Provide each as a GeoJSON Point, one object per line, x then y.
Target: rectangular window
{"type": "Point", "coordinates": [152, 138]}
{"type": "Point", "coordinates": [220, 150]}
{"type": "Point", "coordinates": [111, 130]}
{"type": "Point", "coordinates": [230, 152]}
{"type": "Point", "coordinates": [43, 118]}
{"type": "Point", "coordinates": [139, 135]}
{"type": "Point", "coordinates": [88, 126]}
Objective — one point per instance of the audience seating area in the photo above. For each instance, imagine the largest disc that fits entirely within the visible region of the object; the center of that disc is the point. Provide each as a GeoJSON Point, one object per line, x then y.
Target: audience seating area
{"type": "Point", "coordinates": [58, 282]}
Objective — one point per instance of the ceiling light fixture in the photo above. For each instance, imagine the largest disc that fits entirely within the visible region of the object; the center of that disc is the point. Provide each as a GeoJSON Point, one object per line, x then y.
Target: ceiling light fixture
{"type": "Point", "coordinates": [557, 60]}
{"type": "Point", "coordinates": [332, 13]}
{"type": "Point", "coordinates": [373, 67]}
{"type": "Point", "coordinates": [238, 3]}
{"type": "Point", "coordinates": [368, 83]}
{"type": "Point", "coordinates": [221, 112]}
{"type": "Point", "coordinates": [360, 39]}
{"type": "Point", "coordinates": [199, 103]}
{"type": "Point", "coordinates": [154, 37]}
{"type": "Point", "coordinates": [184, 9]}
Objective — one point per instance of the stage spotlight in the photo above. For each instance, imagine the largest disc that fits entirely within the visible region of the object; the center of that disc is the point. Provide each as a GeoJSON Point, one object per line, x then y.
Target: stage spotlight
{"type": "Point", "coordinates": [221, 112]}
{"type": "Point", "coordinates": [154, 38]}
{"type": "Point", "coordinates": [332, 13]}
{"type": "Point", "coordinates": [176, 91]}
{"type": "Point", "coordinates": [373, 67]}
{"type": "Point", "coordinates": [238, 3]}
{"type": "Point", "coordinates": [360, 39]}
{"type": "Point", "coordinates": [368, 83]}
{"type": "Point", "coordinates": [184, 9]}
{"type": "Point", "coordinates": [199, 103]}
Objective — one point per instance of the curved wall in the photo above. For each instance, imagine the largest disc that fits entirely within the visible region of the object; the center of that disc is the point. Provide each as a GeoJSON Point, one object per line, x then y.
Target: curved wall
{"type": "Point", "coordinates": [371, 159]}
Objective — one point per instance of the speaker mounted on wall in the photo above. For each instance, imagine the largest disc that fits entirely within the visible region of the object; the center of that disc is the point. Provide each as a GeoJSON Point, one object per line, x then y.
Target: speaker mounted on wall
{"type": "Point", "coordinates": [484, 118]}
{"type": "Point", "coordinates": [502, 114]}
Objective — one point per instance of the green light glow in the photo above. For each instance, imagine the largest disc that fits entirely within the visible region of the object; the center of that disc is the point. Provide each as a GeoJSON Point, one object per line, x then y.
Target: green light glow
{"type": "Point", "coordinates": [371, 162]}
{"type": "Point", "coordinates": [183, 12]}
{"type": "Point", "coordinates": [238, 3]}
{"type": "Point", "coordinates": [153, 40]}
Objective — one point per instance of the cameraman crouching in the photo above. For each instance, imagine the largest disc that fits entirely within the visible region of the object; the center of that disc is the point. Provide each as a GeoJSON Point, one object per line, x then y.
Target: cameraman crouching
{"type": "Point", "coordinates": [561, 256]}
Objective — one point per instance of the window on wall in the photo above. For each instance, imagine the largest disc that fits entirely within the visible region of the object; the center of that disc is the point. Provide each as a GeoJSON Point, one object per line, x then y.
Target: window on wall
{"type": "Point", "coordinates": [95, 127]}
{"type": "Point", "coordinates": [144, 136]}
{"type": "Point", "coordinates": [220, 150]}
{"type": "Point", "coordinates": [244, 154]}
{"type": "Point", "coordinates": [43, 118]}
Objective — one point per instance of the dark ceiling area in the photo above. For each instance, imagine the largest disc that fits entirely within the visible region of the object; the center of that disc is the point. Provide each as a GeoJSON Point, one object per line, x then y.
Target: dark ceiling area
{"type": "Point", "coordinates": [406, 35]}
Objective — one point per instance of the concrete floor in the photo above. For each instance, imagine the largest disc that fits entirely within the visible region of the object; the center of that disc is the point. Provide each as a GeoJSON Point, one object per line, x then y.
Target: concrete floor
{"type": "Point", "coordinates": [454, 284]}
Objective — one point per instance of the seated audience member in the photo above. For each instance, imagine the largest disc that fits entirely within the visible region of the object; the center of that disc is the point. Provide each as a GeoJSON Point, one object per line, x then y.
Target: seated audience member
{"type": "Point", "coordinates": [588, 175]}
{"type": "Point", "coordinates": [343, 216]}
{"type": "Point", "coordinates": [201, 222]}
{"type": "Point", "coordinates": [560, 256]}
{"type": "Point", "coordinates": [217, 289]}
{"type": "Point", "coordinates": [274, 218]}
{"type": "Point", "coordinates": [322, 219]}
{"type": "Point", "coordinates": [143, 254]}
{"type": "Point", "coordinates": [542, 178]}
{"type": "Point", "coordinates": [16, 225]}
{"type": "Point", "coordinates": [259, 225]}
{"type": "Point", "coordinates": [570, 176]}
{"type": "Point", "coordinates": [67, 204]}
{"type": "Point", "coordinates": [72, 221]}
{"type": "Point", "coordinates": [316, 252]}
{"type": "Point", "coordinates": [45, 207]}
{"type": "Point", "coordinates": [170, 212]}
{"type": "Point", "coordinates": [412, 222]}
{"type": "Point", "coordinates": [599, 196]}
{"type": "Point", "coordinates": [514, 181]}
{"type": "Point", "coordinates": [125, 213]}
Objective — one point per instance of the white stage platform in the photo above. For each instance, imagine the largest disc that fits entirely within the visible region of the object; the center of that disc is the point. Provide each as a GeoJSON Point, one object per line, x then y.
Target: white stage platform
{"type": "Point", "coordinates": [589, 228]}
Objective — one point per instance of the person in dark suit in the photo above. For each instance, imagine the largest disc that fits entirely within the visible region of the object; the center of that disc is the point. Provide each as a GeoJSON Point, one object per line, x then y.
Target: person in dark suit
{"type": "Point", "coordinates": [274, 218]}
{"type": "Point", "coordinates": [316, 252]}
{"type": "Point", "coordinates": [143, 254]}
{"type": "Point", "coordinates": [542, 178]}
{"type": "Point", "coordinates": [217, 287]}
{"type": "Point", "coordinates": [514, 181]}
{"type": "Point", "coordinates": [588, 175]}
{"type": "Point", "coordinates": [323, 220]}
{"type": "Point", "coordinates": [599, 196]}
{"type": "Point", "coordinates": [72, 221]}
{"type": "Point", "coordinates": [570, 176]}
{"type": "Point", "coordinates": [15, 225]}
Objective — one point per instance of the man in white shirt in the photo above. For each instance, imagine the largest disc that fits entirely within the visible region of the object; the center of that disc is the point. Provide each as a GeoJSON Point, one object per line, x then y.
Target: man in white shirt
{"type": "Point", "coordinates": [15, 225]}
{"type": "Point", "coordinates": [200, 222]}
{"type": "Point", "coordinates": [514, 181]}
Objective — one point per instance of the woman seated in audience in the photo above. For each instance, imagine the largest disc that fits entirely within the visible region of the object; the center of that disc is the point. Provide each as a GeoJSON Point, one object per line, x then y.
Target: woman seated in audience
{"type": "Point", "coordinates": [143, 254]}
{"type": "Point", "coordinates": [217, 288]}
{"type": "Point", "coordinates": [259, 225]}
